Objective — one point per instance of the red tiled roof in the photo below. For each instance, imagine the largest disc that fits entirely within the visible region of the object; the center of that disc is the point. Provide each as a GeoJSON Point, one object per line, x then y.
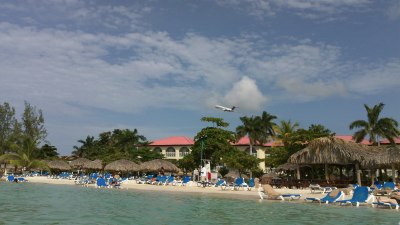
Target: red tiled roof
{"type": "Point", "coordinates": [386, 141]}
{"type": "Point", "coordinates": [173, 141]}
{"type": "Point", "coordinates": [350, 138]}
{"type": "Point", "coordinates": [246, 141]}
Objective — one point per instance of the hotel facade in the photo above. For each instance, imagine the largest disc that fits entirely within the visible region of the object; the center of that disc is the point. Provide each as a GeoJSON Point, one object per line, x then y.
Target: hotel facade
{"type": "Point", "coordinates": [176, 147]}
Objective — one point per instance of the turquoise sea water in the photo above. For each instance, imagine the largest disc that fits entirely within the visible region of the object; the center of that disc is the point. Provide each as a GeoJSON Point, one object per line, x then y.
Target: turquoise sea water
{"type": "Point", "coordinates": [30, 203]}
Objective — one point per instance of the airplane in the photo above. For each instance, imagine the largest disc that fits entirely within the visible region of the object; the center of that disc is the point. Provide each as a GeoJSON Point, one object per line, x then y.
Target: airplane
{"type": "Point", "coordinates": [226, 109]}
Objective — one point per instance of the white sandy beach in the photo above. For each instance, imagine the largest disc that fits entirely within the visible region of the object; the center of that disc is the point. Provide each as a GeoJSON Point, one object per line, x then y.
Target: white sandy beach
{"type": "Point", "coordinates": [194, 189]}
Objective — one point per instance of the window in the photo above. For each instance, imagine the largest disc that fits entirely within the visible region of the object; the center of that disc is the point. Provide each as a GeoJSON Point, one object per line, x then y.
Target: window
{"type": "Point", "coordinates": [183, 152]}
{"type": "Point", "coordinates": [170, 152]}
{"type": "Point", "coordinates": [157, 149]}
{"type": "Point", "coordinates": [253, 152]}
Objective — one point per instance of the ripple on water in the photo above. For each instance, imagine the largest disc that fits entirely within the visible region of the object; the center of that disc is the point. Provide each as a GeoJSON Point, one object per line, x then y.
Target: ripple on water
{"type": "Point", "coordinates": [31, 203]}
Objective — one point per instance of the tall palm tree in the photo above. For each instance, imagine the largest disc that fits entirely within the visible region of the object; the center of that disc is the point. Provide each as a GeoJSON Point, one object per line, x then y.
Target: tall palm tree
{"type": "Point", "coordinates": [23, 155]}
{"type": "Point", "coordinates": [258, 129]}
{"type": "Point", "coordinates": [84, 150]}
{"type": "Point", "coordinates": [375, 127]}
{"type": "Point", "coordinates": [285, 130]}
{"type": "Point", "coordinates": [252, 128]}
{"type": "Point", "coordinates": [267, 126]}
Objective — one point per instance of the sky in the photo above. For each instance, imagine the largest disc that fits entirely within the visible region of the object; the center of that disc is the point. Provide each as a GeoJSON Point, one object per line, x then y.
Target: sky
{"type": "Point", "coordinates": [159, 66]}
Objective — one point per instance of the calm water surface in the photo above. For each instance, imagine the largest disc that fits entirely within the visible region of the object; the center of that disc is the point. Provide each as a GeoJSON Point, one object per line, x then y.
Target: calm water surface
{"type": "Point", "coordinates": [29, 203]}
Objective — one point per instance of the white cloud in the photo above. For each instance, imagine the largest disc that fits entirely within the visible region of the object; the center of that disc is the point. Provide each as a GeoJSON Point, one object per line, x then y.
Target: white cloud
{"type": "Point", "coordinates": [72, 73]}
{"type": "Point", "coordinates": [393, 10]}
{"type": "Point", "coordinates": [246, 95]}
{"type": "Point", "coordinates": [310, 9]}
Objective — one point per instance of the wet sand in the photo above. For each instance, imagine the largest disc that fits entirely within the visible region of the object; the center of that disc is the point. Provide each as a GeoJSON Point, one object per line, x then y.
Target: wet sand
{"type": "Point", "coordinates": [191, 188]}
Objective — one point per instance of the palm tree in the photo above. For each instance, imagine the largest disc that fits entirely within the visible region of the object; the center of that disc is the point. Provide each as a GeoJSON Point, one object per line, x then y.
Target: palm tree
{"type": "Point", "coordinates": [375, 127]}
{"type": "Point", "coordinates": [285, 130]}
{"type": "Point", "coordinates": [84, 150]}
{"type": "Point", "coordinates": [258, 129]}
{"type": "Point", "coordinates": [252, 128]}
{"type": "Point", "coordinates": [24, 155]}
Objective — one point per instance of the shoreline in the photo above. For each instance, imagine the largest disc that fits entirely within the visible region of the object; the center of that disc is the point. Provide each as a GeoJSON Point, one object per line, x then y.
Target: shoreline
{"type": "Point", "coordinates": [193, 189]}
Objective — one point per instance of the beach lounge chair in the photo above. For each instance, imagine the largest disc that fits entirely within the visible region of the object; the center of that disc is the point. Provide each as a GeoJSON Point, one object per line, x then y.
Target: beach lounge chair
{"type": "Point", "coordinates": [239, 183]}
{"type": "Point", "coordinates": [22, 179]}
{"type": "Point", "coordinates": [267, 191]}
{"type": "Point", "coordinates": [251, 184]}
{"type": "Point", "coordinates": [331, 197]}
{"type": "Point", "coordinates": [360, 195]}
{"type": "Point", "coordinates": [220, 183]}
{"type": "Point", "coordinates": [391, 205]}
{"type": "Point", "coordinates": [386, 189]}
{"type": "Point", "coordinates": [101, 182]}
{"type": "Point", "coordinates": [169, 180]}
{"type": "Point", "coordinates": [10, 178]}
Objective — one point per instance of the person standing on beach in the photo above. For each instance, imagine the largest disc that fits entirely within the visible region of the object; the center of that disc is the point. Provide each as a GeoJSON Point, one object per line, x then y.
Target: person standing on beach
{"type": "Point", "coordinates": [203, 174]}
{"type": "Point", "coordinates": [196, 174]}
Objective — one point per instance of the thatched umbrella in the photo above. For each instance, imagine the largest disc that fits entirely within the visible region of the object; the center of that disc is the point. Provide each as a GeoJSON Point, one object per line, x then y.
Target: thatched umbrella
{"type": "Point", "coordinates": [58, 164]}
{"type": "Point", "coordinates": [330, 150]}
{"type": "Point", "coordinates": [79, 162]}
{"type": "Point", "coordinates": [393, 158]}
{"type": "Point", "coordinates": [96, 165]}
{"type": "Point", "coordinates": [156, 165]}
{"type": "Point", "coordinates": [122, 165]}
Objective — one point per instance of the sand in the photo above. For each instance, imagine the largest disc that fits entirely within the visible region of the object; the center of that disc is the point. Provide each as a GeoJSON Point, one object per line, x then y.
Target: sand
{"type": "Point", "coordinates": [191, 188]}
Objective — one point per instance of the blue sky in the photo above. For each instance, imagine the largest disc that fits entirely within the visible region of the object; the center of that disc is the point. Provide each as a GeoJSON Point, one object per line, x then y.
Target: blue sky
{"type": "Point", "coordinates": [161, 65]}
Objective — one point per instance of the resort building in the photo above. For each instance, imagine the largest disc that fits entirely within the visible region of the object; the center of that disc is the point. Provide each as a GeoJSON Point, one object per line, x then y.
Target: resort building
{"type": "Point", "coordinates": [177, 147]}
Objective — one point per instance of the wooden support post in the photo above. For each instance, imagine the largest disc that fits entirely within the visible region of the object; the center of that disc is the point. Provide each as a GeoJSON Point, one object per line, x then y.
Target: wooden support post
{"type": "Point", "coordinates": [326, 172]}
{"type": "Point", "coordinates": [358, 173]}
{"type": "Point", "coordinates": [298, 172]}
{"type": "Point", "coordinates": [393, 173]}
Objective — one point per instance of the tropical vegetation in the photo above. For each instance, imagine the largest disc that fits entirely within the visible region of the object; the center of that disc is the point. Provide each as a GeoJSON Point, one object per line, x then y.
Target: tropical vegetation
{"type": "Point", "coordinates": [375, 127]}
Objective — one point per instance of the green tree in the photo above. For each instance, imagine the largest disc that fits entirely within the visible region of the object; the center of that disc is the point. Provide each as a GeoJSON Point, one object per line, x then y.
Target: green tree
{"type": "Point", "coordinates": [285, 131]}
{"type": "Point", "coordinates": [23, 154]}
{"type": "Point", "coordinates": [267, 125]}
{"type": "Point", "coordinates": [47, 152]}
{"type": "Point", "coordinates": [252, 128]}
{"type": "Point", "coordinates": [144, 154]}
{"type": "Point", "coordinates": [187, 163]}
{"type": "Point", "coordinates": [212, 142]}
{"type": "Point", "coordinates": [8, 127]}
{"type": "Point", "coordinates": [33, 124]}
{"type": "Point", "coordinates": [241, 161]}
{"type": "Point", "coordinates": [258, 129]}
{"type": "Point", "coordinates": [277, 156]}
{"type": "Point", "coordinates": [375, 127]}
{"type": "Point", "coordinates": [86, 149]}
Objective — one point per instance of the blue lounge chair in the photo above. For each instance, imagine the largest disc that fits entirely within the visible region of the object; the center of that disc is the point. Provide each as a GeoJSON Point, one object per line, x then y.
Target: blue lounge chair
{"type": "Point", "coordinates": [101, 182]}
{"type": "Point", "coordinates": [21, 179]}
{"type": "Point", "coordinates": [360, 195]}
{"type": "Point", "coordinates": [184, 182]}
{"type": "Point", "coordinates": [331, 197]}
{"type": "Point", "coordinates": [239, 183]}
{"type": "Point", "coordinates": [251, 184]}
{"type": "Point", "coordinates": [385, 189]}
{"type": "Point", "coordinates": [220, 183]}
{"type": "Point", "coordinates": [10, 178]}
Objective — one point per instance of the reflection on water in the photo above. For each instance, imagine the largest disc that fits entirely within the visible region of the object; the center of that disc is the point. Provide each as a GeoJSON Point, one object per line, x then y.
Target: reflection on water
{"type": "Point", "coordinates": [28, 203]}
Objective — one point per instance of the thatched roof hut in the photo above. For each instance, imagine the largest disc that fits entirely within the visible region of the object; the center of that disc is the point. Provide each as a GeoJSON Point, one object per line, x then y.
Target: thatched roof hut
{"type": "Point", "coordinates": [122, 165]}
{"type": "Point", "coordinates": [79, 162]}
{"type": "Point", "coordinates": [393, 155]}
{"type": "Point", "coordinates": [96, 165]}
{"type": "Point", "coordinates": [330, 150]}
{"type": "Point", "coordinates": [156, 164]}
{"type": "Point", "coordinates": [287, 166]}
{"type": "Point", "coordinates": [58, 164]}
